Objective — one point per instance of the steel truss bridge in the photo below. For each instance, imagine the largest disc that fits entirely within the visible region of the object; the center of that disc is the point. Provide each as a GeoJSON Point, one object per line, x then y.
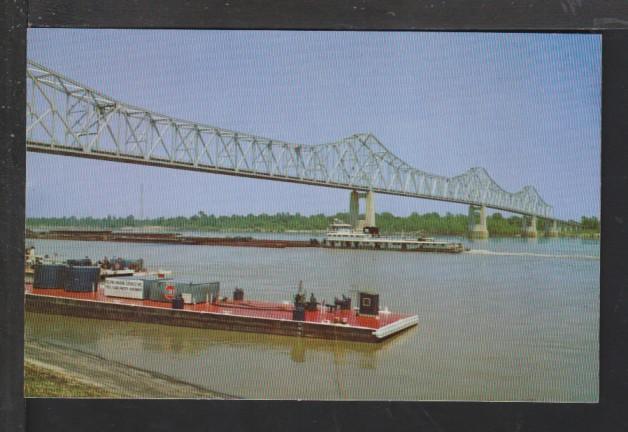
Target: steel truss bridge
{"type": "Point", "coordinates": [68, 118]}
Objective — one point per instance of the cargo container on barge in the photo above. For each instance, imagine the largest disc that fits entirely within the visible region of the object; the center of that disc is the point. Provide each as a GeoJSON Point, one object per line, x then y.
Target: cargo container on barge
{"type": "Point", "coordinates": [114, 267]}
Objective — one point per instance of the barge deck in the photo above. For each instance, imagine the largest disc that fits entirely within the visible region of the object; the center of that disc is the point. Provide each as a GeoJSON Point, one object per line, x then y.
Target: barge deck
{"type": "Point", "coordinates": [167, 238]}
{"type": "Point", "coordinates": [245, 315]}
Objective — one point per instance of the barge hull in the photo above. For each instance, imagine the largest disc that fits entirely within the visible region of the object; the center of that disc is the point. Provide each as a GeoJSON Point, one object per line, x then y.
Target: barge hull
{"type": "Point", "coordinates": [433, 250]}
{"type": "Point", "coordinates": [209, 320]}
{"type": "Point", "coordinates": [166, 238]}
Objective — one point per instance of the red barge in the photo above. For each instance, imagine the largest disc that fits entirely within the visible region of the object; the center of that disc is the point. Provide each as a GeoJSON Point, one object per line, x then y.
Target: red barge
{"type": "Point", "coordinates": [364, 324]}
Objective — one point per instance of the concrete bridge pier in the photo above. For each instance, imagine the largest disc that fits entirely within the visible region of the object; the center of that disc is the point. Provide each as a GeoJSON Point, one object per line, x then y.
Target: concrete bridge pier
{"type": "Point", "coordinates": [477, 222]}
{"type": "Point", "coordinates": [354, 209]}
{"type": "Point", "coordinates": [551, 229]}
{"type": "Point", "coordinates": [529, 227]}
{"type": "Point", "coordinates": [370, 209]}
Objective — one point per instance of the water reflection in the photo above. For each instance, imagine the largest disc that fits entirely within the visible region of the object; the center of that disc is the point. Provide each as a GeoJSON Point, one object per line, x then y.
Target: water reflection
{"type": "Point", "coordinates": [114, 336]}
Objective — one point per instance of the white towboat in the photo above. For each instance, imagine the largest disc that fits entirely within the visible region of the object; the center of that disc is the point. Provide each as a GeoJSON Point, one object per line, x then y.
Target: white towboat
{"type": "Point", "coordinates": [343, 236]}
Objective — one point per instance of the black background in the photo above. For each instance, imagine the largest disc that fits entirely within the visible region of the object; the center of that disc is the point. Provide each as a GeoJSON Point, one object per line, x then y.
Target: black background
{"type": "Point", "coordinates": [50, 415]}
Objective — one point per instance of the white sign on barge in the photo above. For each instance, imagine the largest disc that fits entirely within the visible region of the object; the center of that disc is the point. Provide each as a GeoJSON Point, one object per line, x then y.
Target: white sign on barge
{"type": "Point", "coordinates": [125, 288]}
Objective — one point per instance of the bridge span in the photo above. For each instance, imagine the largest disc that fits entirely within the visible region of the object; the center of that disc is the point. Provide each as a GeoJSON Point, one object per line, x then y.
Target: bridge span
{"type": "Point", "coordinates": [67, 118]}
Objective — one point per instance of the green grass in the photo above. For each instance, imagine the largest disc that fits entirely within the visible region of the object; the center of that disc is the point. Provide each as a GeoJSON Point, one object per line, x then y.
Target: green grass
{"type": "Point", "coordinates": [42, 382]}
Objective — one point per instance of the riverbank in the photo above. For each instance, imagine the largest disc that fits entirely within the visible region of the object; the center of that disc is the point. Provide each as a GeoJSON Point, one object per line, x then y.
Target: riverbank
{"type": "Point", "coordinates": [232, 237]}
{"type": "Point", "coordinates": [41, 380]}
{"type": "Point", "coordinates": [59, 371]}
{"type": "Point", "coordinates": [428, 224]}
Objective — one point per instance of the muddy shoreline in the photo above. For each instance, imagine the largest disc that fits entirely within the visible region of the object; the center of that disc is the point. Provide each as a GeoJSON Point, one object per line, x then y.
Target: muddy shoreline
{"type": "Point", "coordinates": [119, 379]}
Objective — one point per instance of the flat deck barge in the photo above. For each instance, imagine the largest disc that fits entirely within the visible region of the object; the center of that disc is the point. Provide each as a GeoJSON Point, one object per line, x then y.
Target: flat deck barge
{"type": "Point", "coordinates": [244, 316]}
{"type": "Point", "coordinates": [166, 238]}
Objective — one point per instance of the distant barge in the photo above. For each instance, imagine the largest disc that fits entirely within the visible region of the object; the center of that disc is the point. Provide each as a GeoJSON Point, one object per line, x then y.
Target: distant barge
{"type": "Point", "coordinates": [166, 238]}
{"type": "Point", "coordinates": [301, 319]}
{"type": "Point", "coordinates": [340, 236]}
{"type": "Point", "coordinates": [344, 236]}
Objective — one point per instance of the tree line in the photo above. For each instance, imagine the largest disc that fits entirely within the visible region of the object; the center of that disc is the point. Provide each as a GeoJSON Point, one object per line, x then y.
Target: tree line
{"type": "Point", "coordinates": [428, 223]}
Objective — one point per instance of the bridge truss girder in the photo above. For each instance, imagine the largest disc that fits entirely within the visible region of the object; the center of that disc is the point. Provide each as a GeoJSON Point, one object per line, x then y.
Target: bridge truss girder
{"type": "Point", "coordinates": [65, 117]}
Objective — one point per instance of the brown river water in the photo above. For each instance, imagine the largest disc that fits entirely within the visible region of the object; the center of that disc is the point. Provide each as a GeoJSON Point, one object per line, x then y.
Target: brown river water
{"type": "Point", "coordinates": [512, 320]}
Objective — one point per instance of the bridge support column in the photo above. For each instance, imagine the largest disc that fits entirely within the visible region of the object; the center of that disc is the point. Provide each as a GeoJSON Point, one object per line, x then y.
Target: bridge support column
{"type": "Point", "coordinates": [370, 209]}
{"type": "Point", "coordinates": [551, 230]}
{"type": "Point", "coordinates": [354, 208]}
{"type": "Point", "coordinates": [477, 222]}
{"type": "Point", "coordinates": [528, 228]}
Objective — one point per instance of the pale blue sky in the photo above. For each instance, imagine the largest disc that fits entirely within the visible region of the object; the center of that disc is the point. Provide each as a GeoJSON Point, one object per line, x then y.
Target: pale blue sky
{"type": "Point", "coordinates": [524, 106]}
